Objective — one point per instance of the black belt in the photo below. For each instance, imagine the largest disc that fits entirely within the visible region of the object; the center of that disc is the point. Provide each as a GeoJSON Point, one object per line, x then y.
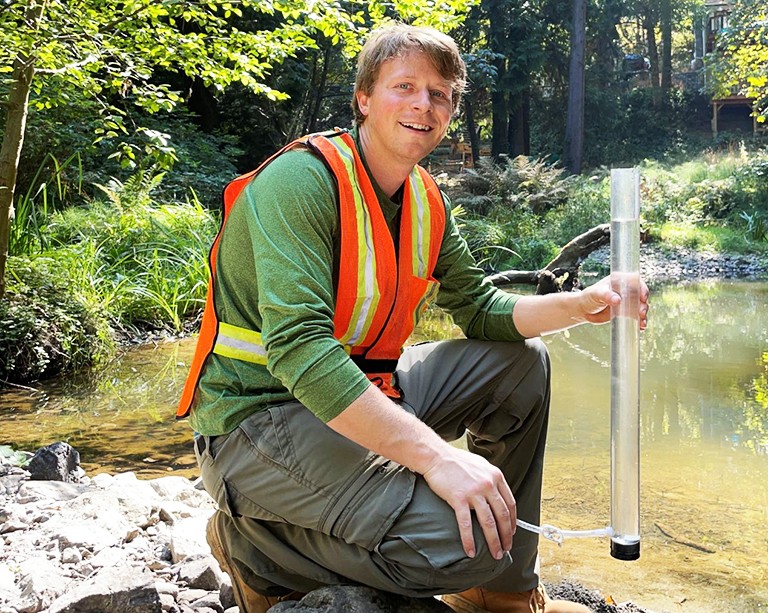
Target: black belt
{"type": "Point", "coordinates": [369, 366]}
{"type": "Point", "coordinates": [202, 443]}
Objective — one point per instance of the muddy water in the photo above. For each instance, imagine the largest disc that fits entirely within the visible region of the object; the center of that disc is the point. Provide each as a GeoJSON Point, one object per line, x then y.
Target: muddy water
{"type": "Point", "coordinates": [704, 432]}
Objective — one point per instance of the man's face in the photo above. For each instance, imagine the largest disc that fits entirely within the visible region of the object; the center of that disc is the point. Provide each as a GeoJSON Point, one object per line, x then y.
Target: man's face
{"type": "Point", "coordinates": [408, 110]}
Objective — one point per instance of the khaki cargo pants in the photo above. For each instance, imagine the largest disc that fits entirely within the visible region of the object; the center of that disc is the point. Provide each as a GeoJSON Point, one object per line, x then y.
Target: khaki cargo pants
{"type": "Point", "coordinates": [305, 507]}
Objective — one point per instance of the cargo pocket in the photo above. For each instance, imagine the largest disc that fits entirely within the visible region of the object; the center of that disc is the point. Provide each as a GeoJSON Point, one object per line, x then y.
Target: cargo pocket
{"type": "Point", "coordinates": [236, 504]}
{"type": "Point", "coordinates": [367, 509]}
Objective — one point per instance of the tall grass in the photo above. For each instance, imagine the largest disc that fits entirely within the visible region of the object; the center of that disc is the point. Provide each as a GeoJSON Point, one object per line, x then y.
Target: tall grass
{"type": "Point", "coordinates": [142, 263]}
{"type": "Point", "coordinates": [110, 269]}
{"type": "Point", "coordinates": [49, 190]}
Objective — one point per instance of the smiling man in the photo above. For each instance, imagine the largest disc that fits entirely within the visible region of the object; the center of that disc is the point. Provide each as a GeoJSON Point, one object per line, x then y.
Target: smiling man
{"type": "Point", "coordinates": [322, 440]}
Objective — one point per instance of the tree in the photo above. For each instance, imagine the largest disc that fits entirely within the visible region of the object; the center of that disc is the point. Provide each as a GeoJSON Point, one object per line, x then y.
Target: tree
{"type": "Point", "coordinates": [666, 45]}
{"type": "Point", "coordinates": [119, 51]}
{"type": "Point", "coordinates": [574, 127]}
{"type": "Point", "coordinates": [515, 34]}
{"type": "Point", "coordinates": [562, 273]}
{"type": "Point", "coordinates": [113, 49]}
{"type": "Point", "coordinates": [741, 58]}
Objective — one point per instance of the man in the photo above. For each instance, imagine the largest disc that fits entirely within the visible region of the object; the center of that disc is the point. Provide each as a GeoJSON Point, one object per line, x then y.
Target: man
{"type": "Point", "coordinates": [324, 447]}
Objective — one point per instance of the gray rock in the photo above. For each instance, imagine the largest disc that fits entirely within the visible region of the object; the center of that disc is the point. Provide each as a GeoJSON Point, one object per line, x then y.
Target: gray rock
{"type": "Point", "coordinates": [56, 462]}
{"type": "Point", "coordinates": [201, 572]}
{"type": "Point", "coordinates": [9, 591]}
{"type": "Point", "coordinates": [166, 587]}
{"type": "Point", "coordinates": [227, 594]}
{"type": "Point", "coordinates": [31, 491]}
{"type": "Point", "coordinates": [41, 582]}
{"type": "Point", "coordinates": [190, 595]}
{"type": "Point", "coordinates": [168, 602]}
{"type": "Point", "coordinates": [188, 538]}
{"type": "Point", "coordinates": [125, 589]}
{"type": "Point", "coordinates": [209, 602]}
{"type": "Point", "coordinates": [71, 555]}
{"type": "Point", "coordinates": [357, 599]}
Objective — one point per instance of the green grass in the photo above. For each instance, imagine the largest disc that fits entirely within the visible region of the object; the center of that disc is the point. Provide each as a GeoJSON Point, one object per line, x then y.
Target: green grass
{"type": "Point", "coordinates": [717, 239]}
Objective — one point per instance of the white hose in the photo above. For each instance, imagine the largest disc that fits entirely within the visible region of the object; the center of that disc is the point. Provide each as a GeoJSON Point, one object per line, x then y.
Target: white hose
{"type": "Point", "coordinates": [557, 535]}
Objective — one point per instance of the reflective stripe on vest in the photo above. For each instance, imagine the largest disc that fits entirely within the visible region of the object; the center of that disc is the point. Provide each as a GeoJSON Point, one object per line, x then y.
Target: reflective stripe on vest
{"type": "Point", "coordinates": [240, 344]}
{"type": "Point", "coordinates": [380, 296]}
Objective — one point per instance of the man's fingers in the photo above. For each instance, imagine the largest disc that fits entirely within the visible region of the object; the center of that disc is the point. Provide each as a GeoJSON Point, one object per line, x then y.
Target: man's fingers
{"type": "Point", "coordinates": [505, 512]}
{"type": "Point", "coordinates": [464, 520]}
{"type": "Point", "coordinates": [489, 526]}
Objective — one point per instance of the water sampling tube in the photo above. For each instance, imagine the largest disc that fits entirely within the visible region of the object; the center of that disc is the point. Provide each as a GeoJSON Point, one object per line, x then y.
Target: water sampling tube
{"type": "Point", "coordinates": [625, 364]}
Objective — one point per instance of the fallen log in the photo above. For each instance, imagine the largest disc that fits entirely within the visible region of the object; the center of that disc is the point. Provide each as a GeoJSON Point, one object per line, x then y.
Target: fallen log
{"type": "Point", "coordinates": [562, 273]}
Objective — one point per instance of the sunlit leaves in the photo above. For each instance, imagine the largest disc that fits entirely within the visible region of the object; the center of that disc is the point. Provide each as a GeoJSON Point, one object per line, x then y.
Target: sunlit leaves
{"type": "Point", "coordinates": [115, 46]}
{"type": "Point", "coordinates": [740, 64]}
{"type": "Point", "coordinates": [444, 15]}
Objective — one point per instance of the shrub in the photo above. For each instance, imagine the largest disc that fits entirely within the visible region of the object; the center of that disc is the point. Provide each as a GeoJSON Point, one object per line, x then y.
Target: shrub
{"type": "Point", "coordinates": [143, 263]}
{"type": "Point", "coordinates": [46, 330]}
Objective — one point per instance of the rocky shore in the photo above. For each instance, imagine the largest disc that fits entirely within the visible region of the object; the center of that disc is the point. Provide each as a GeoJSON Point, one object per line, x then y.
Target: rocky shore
{"type": "Point", "coordinates": [659, 266]}
{"type": "Point", "coordinates": [70, 543]}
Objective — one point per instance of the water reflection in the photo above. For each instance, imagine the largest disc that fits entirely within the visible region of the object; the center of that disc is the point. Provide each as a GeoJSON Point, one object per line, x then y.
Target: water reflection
{"type": "Point", "coordinates": [704, 432]}
{"type": "Point", "coordinates": [120, 418]}
{"type": "Point", "coordinates": [704, 407]}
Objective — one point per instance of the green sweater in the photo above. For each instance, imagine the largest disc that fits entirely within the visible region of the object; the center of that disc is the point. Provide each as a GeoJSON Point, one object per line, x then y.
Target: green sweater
{"type": "Point", "coordinates": [275, 274]}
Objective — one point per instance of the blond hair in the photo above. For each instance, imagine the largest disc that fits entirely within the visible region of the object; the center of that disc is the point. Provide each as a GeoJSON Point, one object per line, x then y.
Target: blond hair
{"type": "Point", "coordinates": [398, 40]}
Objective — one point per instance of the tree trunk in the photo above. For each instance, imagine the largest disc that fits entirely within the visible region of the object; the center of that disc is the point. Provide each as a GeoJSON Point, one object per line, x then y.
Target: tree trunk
{"type": "Point", "coordinates": [666, 45]}
{"type": "Point", "coordinates": [653, 49]}
{"type": "Point", "coordinates": [519, 129]}
{"type": "Point", "coordinates": [500, 119]}
{"type": "Point", "coordinates": [13, 139]}
{"type": "Point", "coordinates": [562, 273]}
{"type": "Point", "coordinates": [474, 138]}
{"type": "Point", "coordinates": [574, 124]}
{"type": "Point", "coordinates": [319, 89]}
{"type": "Point", "coordinates": [499, 103]}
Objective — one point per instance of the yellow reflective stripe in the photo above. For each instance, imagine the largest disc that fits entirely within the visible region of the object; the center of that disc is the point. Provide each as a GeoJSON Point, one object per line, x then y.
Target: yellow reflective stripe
{"type": "Point", "coordinates": [420, 225]}
{"type": "Point", "coordinates": [240, 344]}
{"type": "Point", "coordinates": [368, 295]}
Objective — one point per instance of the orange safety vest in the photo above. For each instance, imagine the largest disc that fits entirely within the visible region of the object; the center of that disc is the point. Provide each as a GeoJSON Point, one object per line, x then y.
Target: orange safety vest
{"type": "Point", "coordinates": [382, 291]}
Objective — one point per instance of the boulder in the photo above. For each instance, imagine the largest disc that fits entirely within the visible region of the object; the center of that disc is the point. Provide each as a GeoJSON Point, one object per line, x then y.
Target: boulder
{"type": "Point", "coordinates": [123, 589]}
{"type": "Point", "coordinates": [357, 599]}
{"type": "Point", "coordinates": [56, 462]}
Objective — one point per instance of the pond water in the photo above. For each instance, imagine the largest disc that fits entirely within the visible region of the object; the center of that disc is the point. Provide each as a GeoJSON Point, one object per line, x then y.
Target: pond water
{"type": "Point", "coordinates": [704, 432]}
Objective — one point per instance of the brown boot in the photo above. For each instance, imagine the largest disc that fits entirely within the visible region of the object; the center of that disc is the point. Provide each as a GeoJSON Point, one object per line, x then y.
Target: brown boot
{"type": "Point", "coordinates": [480, 600]}
{"type": "Point", "coordinates": [247, 599]}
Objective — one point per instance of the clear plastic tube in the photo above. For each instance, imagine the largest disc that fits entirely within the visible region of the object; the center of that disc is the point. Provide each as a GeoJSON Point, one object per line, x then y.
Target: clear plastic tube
{"type": "Point", "coordinates": [625, 364]}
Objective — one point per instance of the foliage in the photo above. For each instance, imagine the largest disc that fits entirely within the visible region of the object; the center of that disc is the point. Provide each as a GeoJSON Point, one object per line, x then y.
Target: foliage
{"type": "Point", "coordinates": [717, 202]}
{"type": "Point", "coordinates": [46, 329]}
{"type": "Point", "coordinates": [718, 185]}
{"type": "Point", "coordinates": [144, 53]}
{"type": "Point", "coordinates": [43, 196]}
{"type": "Point", "coordinates": [503, 225]}
{"type": "Point", "coordinates": [119, 264]}
{"type": "Point", "coordinates": [532, 183]}
{"type": "Point", "coordinates": [143, 263]}
{"type": "Point", "coordinates": [755, 424]}
{"type": "Point", "coordinates": [740, 64]}
{"type": "Point", "coordinates": [14, 457]}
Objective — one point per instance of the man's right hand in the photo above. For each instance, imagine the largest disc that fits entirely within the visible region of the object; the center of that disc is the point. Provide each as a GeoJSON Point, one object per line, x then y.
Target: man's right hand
{"type": "Point", "coordinates": [468, 482]}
